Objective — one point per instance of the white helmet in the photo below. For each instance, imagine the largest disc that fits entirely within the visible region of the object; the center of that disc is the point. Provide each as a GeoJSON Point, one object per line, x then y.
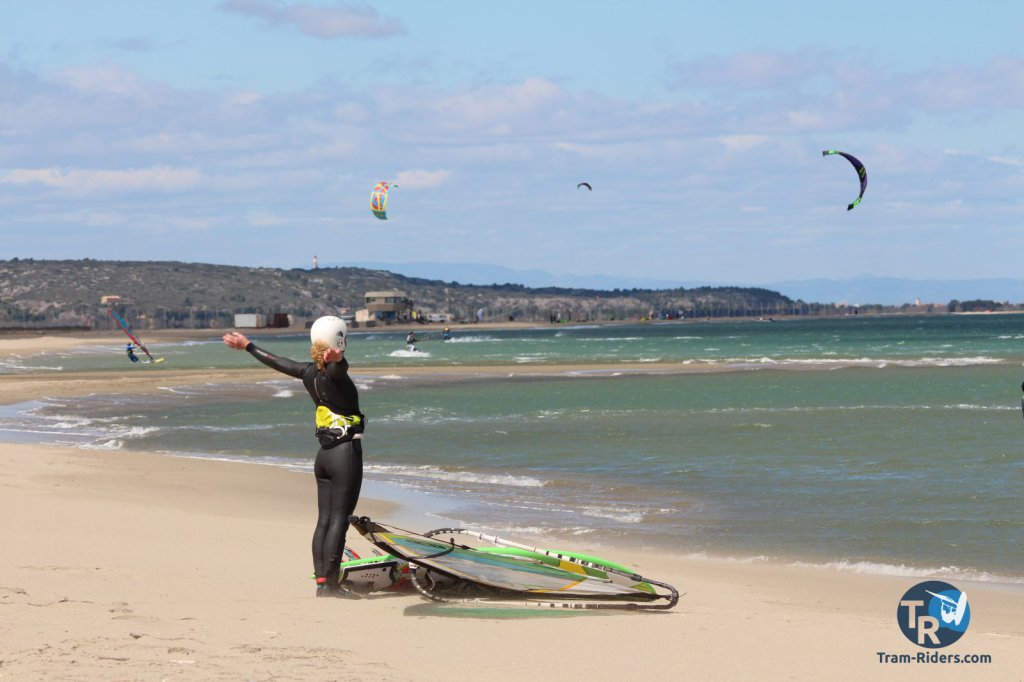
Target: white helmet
{"type": "Point", "coordinates": [329, 330]}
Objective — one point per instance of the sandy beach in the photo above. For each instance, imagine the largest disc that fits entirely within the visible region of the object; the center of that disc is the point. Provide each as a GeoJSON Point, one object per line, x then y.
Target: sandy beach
{"type": "Point", "coordinates": [121, 565]}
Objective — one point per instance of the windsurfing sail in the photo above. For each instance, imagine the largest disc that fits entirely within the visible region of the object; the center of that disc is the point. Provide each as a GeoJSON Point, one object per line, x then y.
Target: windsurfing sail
{"type": "Point", "coordinates": [585, 184]}
{"type": "Point", "coordinates": [127, 329]}
{"type": "Point", "coordinates": [510, 572]}
{"type": "Point", "coordinates": [861, 171]}
{"type": "Point", "coordinates": [379, 199]}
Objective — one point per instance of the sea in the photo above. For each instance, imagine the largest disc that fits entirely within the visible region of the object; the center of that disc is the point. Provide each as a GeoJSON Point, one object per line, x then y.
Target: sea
{"type": "Point", "coordinates": [872, 444]}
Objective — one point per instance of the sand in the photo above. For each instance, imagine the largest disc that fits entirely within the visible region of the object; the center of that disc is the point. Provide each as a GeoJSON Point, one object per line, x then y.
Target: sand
{"type": "Point", "coordinates": [132, 566]}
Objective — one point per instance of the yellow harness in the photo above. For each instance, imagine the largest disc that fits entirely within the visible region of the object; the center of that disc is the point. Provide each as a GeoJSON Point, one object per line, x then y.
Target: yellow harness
{"type": "Point", "coordinates": [333, 429]}
{"type": "Point", "coordinates": [325, 419]}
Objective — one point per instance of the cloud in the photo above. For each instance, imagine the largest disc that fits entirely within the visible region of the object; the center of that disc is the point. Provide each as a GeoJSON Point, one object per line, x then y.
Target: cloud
{"type": "Point", "coordinates": [821, 90]}
{"type": "Point", "coordinates": [421, 179]}
{"type": "Point", "coordinates": [342, 21]}
{"type": "Point", "coordinates": [489, 110]}
{"type": "Point", "coordinates": [756, 70]}
{"type": "Point", "coordinates": [743, 143]}
{"type": "Point", "coordinates": [106, 78]}
{"type": "Point", "coordinates": [997, 84]}
{"type": "Point", "coordinates": [85, 181]}
{"type": "Point", "coordinates": [1006, 161]}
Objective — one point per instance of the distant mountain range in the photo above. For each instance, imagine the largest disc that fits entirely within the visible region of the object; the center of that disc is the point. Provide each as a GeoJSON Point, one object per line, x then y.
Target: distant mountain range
{"type": "Point", "coordinates": [864, 289]}
{"type": "Point", "coordinates": [896, 291]}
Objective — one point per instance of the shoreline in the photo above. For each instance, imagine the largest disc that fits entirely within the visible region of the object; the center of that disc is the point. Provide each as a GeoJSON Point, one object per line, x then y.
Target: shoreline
{"type": "Point", "coordinates": [22, 388]}
{"type": "Point", "coordinates": [411, 506]}
{"type": "Point", "coordinates": [124, 565]}
{"type": "Point", "coordinates": [415, 505]}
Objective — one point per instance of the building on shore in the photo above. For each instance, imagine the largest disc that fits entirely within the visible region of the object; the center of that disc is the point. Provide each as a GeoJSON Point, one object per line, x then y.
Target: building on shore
{"type": "Point", "coordinates": [385, 307]}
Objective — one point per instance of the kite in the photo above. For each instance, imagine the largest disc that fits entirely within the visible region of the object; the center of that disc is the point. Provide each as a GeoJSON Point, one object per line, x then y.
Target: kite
{"type": "Point", "coordinates": [127, 329]}
{"type": "Point", "coordinates": [585, 184]}
{"type": "Point", "coordinates": [379, 199]}
{"type": "Point", "coordinates": [861, 171]}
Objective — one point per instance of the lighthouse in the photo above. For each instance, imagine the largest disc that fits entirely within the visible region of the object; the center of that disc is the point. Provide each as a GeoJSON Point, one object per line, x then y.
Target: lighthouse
{"type": "Point", "coordinates": [315, 266]}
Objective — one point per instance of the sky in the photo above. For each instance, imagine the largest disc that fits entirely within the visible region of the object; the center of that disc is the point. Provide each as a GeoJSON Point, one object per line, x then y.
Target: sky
{"type": "Point", "coordinates": [251, 132]}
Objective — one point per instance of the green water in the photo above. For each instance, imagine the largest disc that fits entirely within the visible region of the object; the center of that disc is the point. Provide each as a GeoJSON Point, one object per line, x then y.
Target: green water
{"type": "Point", "coordinates": [883, 445]}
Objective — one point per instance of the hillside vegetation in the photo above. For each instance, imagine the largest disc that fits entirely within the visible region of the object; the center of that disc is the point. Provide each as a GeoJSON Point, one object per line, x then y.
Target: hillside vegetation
{"type": "Point", "coordinates": [159, 294]}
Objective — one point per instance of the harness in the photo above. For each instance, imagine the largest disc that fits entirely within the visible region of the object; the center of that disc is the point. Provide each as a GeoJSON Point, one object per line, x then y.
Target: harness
{"type": "Point", "coordinates": [334, 429]}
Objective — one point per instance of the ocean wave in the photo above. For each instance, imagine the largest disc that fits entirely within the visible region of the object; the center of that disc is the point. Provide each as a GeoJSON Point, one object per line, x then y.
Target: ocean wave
{"type": "Point", "coordinates": [622, 515]}
{"type": "Point", "coordinates": [869, 568]}
{"type": "Point", "coordinates": [11, 365]}
{"type": "Point", "coordinates": [211, 428]}
{"type": "Point", "coordinates": [876, 568]}
{"type": "Point", "coordinates": [435, 473]}
{"type": "Point", "coordinates": [408, 354]}
{"type": "Point", "coordinates": [111, 444]}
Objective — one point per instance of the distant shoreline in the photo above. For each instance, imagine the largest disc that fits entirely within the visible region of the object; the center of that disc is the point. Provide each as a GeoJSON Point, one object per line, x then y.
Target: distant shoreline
{"type": "Point", "coordinates": [177, 334]}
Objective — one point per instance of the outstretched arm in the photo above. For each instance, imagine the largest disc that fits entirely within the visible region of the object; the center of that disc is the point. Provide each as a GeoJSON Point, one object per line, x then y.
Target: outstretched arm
{"type": "Point", "coordinates": [240, 342]}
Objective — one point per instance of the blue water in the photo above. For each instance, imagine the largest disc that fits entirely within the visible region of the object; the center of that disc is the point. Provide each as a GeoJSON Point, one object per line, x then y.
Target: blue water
{"type": "Point", "coordinates": [885, 444]}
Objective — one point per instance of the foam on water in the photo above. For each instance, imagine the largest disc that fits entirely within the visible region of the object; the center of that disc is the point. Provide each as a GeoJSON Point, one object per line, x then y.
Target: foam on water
{"type": "Point", "coordinates": [434, 473]}
{"type": "Point", "coordinates": [408, 354]}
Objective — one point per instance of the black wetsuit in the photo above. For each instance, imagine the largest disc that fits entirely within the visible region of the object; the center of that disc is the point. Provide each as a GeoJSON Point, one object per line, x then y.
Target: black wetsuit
{"type": "Point", "coordinates": [338, 469]}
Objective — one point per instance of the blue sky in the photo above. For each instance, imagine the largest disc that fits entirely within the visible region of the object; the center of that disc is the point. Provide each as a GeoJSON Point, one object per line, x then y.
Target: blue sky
{"type": "Point", "coordinates": [251, 132]}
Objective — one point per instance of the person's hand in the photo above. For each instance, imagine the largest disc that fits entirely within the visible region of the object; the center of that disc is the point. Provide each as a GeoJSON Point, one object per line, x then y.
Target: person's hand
{"type": "Point", "coordinates": [333, 355]}
{"type": "Point", "coordinates": [236, 340]}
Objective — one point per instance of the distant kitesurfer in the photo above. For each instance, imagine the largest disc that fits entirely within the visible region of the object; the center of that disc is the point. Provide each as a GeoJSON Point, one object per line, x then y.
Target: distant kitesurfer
{"type": "Point", "coordinates": [410, 341]}
{"type": "Point", "coordinates": [446, 334]}
{"type": "Point", "coordinates": [339, 428]}
{"type": "Point", "coordinates": [131, 352]}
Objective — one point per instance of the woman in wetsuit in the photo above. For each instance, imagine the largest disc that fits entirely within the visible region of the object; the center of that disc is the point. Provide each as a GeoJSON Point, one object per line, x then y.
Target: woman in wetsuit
{"type": "Point", "coordinates": [339, 462]}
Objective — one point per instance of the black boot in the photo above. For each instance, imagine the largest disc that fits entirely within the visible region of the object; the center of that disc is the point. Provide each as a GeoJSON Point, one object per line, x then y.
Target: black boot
{"type": "Point", "coordinates": [335, 591]}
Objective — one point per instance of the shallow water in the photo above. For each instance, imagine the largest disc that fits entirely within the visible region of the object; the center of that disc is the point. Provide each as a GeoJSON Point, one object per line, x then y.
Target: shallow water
{"type": "Point", "coordinates": [878, 444]}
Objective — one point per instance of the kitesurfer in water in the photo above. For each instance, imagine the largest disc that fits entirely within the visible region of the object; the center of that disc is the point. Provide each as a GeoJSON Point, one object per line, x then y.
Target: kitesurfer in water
{"type": "Point", "coordinates": [131, 352]}
{"type": "Point", "coordinates": [339, 429]}
{"type": "Point", "coordinates": [410, 340]}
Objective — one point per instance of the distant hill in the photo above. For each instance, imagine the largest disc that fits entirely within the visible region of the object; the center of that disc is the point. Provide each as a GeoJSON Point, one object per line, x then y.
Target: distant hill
{"type": "Point", "coordinates": [862, 290]}
{"type": "Point", "coordinates": [896, 291]}
{"type": "Point", "coordinates": [173, 294]}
